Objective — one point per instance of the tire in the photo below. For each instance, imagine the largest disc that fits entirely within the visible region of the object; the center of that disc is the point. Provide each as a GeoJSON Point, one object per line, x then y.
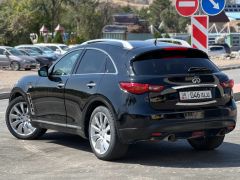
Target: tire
{"type": "Point", "coordinates": [206, 143]}
{"type": "Point", "coordinates": [15, 66]}
{"type": "Point", "coordinates": [104, 139]}
{"type": "Point", "coordinates": [18, 121]}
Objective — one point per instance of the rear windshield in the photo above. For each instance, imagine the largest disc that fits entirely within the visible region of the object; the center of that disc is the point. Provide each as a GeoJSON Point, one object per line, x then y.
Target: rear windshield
{"type": "Point", "coordinates": [171, 66]}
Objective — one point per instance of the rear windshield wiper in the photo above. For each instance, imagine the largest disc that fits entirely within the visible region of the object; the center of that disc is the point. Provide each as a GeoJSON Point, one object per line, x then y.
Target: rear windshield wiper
{"type": "Point", "coordinates": [199, 70]}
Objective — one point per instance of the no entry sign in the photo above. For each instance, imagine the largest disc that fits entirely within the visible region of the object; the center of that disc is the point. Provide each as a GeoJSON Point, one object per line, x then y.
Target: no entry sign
{"type": "Point", "coordinates": [200, 32]}
{"type": "Point", "coordinates": [187, 7]}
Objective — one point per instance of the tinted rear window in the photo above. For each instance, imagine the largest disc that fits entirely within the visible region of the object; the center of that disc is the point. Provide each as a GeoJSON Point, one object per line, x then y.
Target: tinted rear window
{"type": "Point", "coordinates": [170, 63]}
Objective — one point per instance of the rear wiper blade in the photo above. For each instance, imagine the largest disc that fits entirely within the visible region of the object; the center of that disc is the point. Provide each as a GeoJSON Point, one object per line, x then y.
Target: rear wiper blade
{"type": "Point", "coordinates": [199, 70]}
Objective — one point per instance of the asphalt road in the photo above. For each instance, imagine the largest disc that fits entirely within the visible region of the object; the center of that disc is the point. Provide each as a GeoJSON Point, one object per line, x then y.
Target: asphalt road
{"type": "Point", "coordinates": [62, 156]}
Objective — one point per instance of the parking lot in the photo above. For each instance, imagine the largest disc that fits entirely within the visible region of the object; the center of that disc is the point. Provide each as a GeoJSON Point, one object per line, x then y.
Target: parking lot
{"type": "Point", "coordinates": [62, 156]}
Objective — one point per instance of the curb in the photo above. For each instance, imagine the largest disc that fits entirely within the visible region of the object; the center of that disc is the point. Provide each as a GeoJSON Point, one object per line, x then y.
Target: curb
{"type": "Point", "coordinates": [229, 68]}
{"type": "Point", "coordinates": [4, 95]}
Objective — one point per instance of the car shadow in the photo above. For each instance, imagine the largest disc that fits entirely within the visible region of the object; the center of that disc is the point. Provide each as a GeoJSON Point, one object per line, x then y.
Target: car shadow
{"type": "Point", "coordinates": [162, 154]}
{"type": "Point", "coordinates": [67, 140]}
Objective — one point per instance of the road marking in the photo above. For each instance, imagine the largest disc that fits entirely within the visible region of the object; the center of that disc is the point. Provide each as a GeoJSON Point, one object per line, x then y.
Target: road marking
{"type": "Point", "coordinates": [187, 4]}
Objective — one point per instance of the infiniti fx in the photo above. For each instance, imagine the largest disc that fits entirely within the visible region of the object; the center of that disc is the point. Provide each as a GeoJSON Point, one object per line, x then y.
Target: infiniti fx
{"type": "Point", "coordinates": [116, 93]}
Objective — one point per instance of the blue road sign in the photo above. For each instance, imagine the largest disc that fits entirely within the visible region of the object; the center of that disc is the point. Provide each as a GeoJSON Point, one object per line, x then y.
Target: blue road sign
{"type": "Point", "coordinates": [213, 7]}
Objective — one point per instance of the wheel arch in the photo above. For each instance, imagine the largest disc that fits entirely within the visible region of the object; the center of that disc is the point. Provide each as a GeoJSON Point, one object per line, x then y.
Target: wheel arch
{"type": "Point", "coordinates": [97, 101]}
{"type": "Point", "coordinates": [16, 92]}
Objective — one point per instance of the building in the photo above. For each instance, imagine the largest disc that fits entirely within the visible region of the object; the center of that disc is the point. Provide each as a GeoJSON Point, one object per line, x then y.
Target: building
{"type": "Point", "coordinates": [127, 27]}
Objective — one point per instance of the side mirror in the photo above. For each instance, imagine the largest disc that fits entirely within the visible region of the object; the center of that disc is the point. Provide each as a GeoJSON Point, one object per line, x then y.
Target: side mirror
{"type": "Point", "coordinates": [43, 71]}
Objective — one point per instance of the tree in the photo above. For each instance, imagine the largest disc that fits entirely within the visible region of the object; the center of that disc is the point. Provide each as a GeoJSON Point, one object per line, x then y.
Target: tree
{"type": "Point", "coordinates": [88, 17]}
{"type": "Point", "coordinates": [51, 10]}
{"type": "Point", "coordinates": [16, 21]}
{"type": "Point", "coordinates": [156, 9]}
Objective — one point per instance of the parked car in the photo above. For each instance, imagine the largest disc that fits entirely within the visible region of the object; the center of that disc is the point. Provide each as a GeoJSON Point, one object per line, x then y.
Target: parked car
{"type": "Point", "coordinates": [116, 93]}
{"type": "Point", "coordinates": [44, 51]}
{"type": "Point", "coordinates": [216, 51]}
{"type": "Point", "coordinates": [172, 41]}
{"type": "Point", "coordinates": [15, 59]}
{"type": "Point", "coordinates": [40, 49]}
{"type": "Point", "coordinates": [73, 46]}
{"type": "Point", "coordinates": [226, 47]}
{"type": "Point", "coordinates": [57, 48]}
{"type": "Point", "coordinates": [41, 59]}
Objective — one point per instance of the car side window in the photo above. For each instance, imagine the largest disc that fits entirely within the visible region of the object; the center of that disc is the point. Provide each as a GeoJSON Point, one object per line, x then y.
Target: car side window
{"type": "Point", "coordinates": [1, 51]}
{"type": "Point", "coordinates": [93, 61]}
{"type": "Point", "coordinates": [66, 64]}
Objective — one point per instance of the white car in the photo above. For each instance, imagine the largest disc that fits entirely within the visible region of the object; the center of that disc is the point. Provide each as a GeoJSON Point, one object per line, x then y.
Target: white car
{"type": "Point", "coordinates": [172, 41]}
{"type": "Point", "coordinates": [216, 51]}
{"type": "Point", "coordinates": [59, 49]}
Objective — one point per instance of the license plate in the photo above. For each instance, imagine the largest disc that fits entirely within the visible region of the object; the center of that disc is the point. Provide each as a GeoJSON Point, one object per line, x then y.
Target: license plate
{"type": "Point", "coordinates": [195, 95]}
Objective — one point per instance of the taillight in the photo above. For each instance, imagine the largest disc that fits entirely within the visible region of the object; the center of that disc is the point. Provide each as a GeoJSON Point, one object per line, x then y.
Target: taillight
{"type": "Point", "coordinates": [139, 88]}
{"type": "Point", "coordinates": [228, 84]}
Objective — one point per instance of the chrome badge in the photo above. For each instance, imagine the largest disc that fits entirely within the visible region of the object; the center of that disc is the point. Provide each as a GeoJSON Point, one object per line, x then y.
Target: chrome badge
{"type": "Point", "coordinates": [196, 80]}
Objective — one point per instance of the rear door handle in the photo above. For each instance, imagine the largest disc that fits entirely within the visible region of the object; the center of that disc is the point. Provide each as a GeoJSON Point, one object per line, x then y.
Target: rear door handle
{"type": "Point", "coordinates": [91, 85]}
{"type": "Point", "coordinates": [60, 85]}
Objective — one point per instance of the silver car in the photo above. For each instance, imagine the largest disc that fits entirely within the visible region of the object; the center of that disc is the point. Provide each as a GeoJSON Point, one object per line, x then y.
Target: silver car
{"type": "Point", "coordinates": [216, 51]}
{"type": "Point", "coordinates": [11, 57]}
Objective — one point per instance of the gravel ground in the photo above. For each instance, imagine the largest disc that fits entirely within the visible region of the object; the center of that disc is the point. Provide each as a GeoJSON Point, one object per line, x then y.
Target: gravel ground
{"type": "Point", "coordinates": [9, 78]}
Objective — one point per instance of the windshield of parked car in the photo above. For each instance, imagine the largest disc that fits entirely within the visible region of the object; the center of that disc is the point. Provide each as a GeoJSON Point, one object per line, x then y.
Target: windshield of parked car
{"type": "Point", "coordinates": [32, 52]}
{"type": "Point", "coordinates": [14, 52]}
{"type": "Point", "coordinates": [34, 49]}
{"type": "Point", "coordinates": [46, 50]}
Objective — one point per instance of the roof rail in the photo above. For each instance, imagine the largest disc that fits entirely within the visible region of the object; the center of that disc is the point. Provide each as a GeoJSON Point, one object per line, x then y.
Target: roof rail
{"type": "Point", "coordinates": [125, 44]}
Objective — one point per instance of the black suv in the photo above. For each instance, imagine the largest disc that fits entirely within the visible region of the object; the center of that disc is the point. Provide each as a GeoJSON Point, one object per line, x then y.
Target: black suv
{"type": "Point", "coordinates": [116, 93]}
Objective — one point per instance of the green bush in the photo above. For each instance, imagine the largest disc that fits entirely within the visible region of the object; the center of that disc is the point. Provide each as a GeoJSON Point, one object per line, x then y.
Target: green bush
{"type": "Point", "coordinates": [58, 38]}
{"type": "Point", "coordinates": [49, 40]}
{"type": "Point", "coordinates": [157, 35]}
{"type": "Point", "coordinates": [167, 36]}
{"type": "Point", "coordinates": [40, 39]}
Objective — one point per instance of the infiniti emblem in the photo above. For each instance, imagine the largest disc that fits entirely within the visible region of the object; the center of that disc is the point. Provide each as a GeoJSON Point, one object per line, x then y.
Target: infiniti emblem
{"type": "Point", "coordinates": [196, 80]}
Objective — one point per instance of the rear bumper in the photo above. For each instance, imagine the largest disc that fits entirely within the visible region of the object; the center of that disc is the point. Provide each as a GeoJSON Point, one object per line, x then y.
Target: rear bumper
{"type": "Point", "coordinates": [134, 128]}
{"type": "Point", "coordinates": [29, 66]}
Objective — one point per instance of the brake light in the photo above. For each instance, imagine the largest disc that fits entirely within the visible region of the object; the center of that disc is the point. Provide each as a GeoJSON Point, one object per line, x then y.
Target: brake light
{"type": "Point", "coordinates": [139, 88]}
{"type": "Point", "coordinates": [176, 49]}
{"type": "Point", "coordinates": [228, 84]}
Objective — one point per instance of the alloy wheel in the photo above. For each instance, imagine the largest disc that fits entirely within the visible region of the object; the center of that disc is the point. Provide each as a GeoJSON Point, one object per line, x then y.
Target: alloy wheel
{"type": "Point", "coordinates": [20, 120]}
{"type": "Point", "coordinates": [100, 133]}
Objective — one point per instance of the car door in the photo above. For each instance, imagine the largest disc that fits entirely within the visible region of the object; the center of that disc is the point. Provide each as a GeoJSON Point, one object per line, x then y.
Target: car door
{"type": "Point", "coordinates": [4, 61]}
{"type": "Point", "coordinates": [83, 85]}
{"type": "Point", "coordinates": [48, 93]}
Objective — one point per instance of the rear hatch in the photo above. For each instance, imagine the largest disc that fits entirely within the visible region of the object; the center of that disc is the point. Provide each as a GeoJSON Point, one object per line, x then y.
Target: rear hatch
{"type": "Point", "coordinates": [181, 78]}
